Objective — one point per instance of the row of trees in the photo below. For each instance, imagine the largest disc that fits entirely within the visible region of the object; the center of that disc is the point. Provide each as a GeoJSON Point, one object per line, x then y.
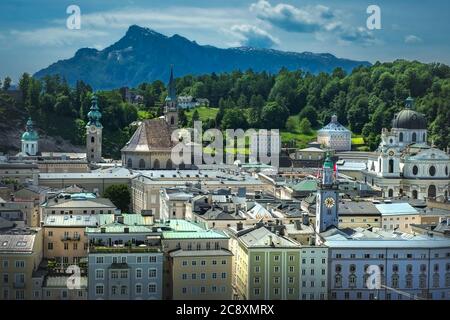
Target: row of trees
{"type": "Point", "coordinates": [365, 101]}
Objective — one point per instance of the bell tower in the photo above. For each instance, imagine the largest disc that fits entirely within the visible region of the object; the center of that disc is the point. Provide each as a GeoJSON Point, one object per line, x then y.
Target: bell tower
{"type": "Point", "coordinates": [30, 140]}
{"type": "Point", "coordinates": [94, 133]}
{"type": "Point", "coordinates": [327, 198]}
{"type": "Point", "coordinates": [171, 105]}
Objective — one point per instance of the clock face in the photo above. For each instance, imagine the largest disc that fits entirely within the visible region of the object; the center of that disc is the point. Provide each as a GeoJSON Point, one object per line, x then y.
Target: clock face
{"type": "Point", "coordinates": [92, 128]}
{"type": "Point", "coordinates": [329, 202]}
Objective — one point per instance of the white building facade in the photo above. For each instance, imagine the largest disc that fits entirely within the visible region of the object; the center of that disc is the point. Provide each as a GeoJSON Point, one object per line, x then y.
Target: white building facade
{"type": "Point", "coordinates": [404, 164]}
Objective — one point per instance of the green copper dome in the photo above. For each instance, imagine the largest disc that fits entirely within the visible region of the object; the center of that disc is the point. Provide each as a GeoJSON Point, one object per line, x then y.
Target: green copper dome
{"type": "Point", "coordinates": [30, 134]}
{"type": "Point", "coordinates": [94, 114]}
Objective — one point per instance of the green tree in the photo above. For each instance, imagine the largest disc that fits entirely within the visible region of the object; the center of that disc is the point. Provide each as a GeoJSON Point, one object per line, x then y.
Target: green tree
{"type": "Point", "coordinates": [233, 119]}
{"type": "Point", "coordinates": [305, 126]}
{"type": "Point", "coordinates": [274, 115]}
{"type": "Point", "coordinates": [6, 84]}
{"type": "Point", "coordinates": [119, 194]}
{"type": "Point", "coordinates": [309, 113]}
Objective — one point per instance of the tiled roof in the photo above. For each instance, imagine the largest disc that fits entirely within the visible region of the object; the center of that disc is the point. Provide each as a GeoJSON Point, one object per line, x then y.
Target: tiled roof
{"type": "Point", "coordinates": [151, 134]}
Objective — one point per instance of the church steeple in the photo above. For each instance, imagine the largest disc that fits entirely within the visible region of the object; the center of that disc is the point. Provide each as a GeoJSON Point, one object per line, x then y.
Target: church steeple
{"type": "Point", "coordinates": [30, 139]}
{"type": "Point", "coordinates": [172, 92]}
{"type": "Point", "coordinates": [94, 114]}
{"type": "Point", "coordinates": [171, 104]}
{"type": "Point", "coordinates": [94, 133]}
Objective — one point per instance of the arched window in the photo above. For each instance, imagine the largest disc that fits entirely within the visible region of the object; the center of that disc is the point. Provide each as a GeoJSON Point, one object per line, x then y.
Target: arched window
{"type": "Point", "coordinates": [432, 171]}
{"type": "Point", "coordinates": [379, 165]}
{"type": "Point", "coordinates": [414, 194]}
{"type": "Point", "coordinates": [156, 164]}
{"type": "Point", "coordinates": [436, 280]}
{"type": "Point", "coordinates": [141, 164]}
{"type": "Point", "coordinates": [92, 139]}
{"type": "Point", "coordinates": [390, 193]}
{"type": "Point", "coordinates": [400, 137]}
{"type": "Point", "coordinates": [409, 268]}
{"type": "Point", "coordinates": [432, 191]}
{"type": "Point", "coordinates": [129, 163]}
{"type": "Point", "coordinates": [424, 137]}
{"type": "Point", "coordinates": [391, 166]}
{"type": "Point", "coordinates": [446, 170]}
{"type": "Point", "coordinates": [414, 137]}
{"type": "Point", "coordinates": [169, 164]}
{"type": "Point", "coordinates": [172, 120]}
{"type": "Point", "coordinates": [415, 170]}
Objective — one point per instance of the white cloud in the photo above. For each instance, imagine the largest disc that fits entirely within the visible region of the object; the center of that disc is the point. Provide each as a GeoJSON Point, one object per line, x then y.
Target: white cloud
{"type": "Point", "coordinates": [318, 19]}
{"type": "Point", "coordinates": [172, 17]}
{"type": "Point", "coordinates": [412, 39]}
{"type": "Point", "coordinates": [252, 36]}
{"type": "Point", "coordinates": [103, 25]}
{"type": "Point", "coordinates": [54, 36]}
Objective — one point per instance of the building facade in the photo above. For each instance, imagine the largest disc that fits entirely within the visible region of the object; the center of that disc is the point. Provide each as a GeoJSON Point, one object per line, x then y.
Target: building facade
{"type": "Point", "coordinates": [404, 164]}
{"type": "Point", "coordinates": [335, 136]}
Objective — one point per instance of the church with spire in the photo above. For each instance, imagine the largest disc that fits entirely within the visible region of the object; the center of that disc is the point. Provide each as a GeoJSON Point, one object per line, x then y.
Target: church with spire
{"type": "Point", "coordinates": [171, 104]}
{"type": "Point", "coordinates": [151, 145]}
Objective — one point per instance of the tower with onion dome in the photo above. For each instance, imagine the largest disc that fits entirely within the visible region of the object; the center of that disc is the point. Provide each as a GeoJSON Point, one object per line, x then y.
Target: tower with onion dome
{"type": "Point", "coordinates": [94, 133]}
{"type": "Point", "coordinates": [30, 140]}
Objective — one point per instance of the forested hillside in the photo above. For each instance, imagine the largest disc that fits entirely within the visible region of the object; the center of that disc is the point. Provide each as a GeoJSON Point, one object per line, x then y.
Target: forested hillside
{"type": "Point", "coordinates": [365, 101]}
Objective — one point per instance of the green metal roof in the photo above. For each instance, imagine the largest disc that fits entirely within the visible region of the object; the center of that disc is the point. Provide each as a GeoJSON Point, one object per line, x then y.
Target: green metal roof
{"type": "Point", "coordinates": [133, 219]}
{"type": "Point", "coordinates": [116, 227]}
{"type": "Point", "coordinates": [305, 185]}
{"type": "Point", "coordinates": [206, 234]}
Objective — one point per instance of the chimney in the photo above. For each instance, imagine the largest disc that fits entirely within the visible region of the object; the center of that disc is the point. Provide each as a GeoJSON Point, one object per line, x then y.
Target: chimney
{"type": "Point", "coordinates": [270, 242]}
{"type": "Point", "coordinates": [126, 230]}
{"type": "Point", "coordinates": [239, 226]}
{"type": "Point", "coordinates": [103, 230]}
{"type": "Point", "coordinates": [12, 197]}
{"type": "Point", "coordinates": [119, 219]}
{"type": "Point", "coordinates": [305, 218]}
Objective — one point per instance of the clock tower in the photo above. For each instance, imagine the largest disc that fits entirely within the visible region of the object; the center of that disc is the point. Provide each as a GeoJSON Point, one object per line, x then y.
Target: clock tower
{"type": "Point", "coordinates": [94, 133]}
{"type": "Point", "coordinates": [327, 198]}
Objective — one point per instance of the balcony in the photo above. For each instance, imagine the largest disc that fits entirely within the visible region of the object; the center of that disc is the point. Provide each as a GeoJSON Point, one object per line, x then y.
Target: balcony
{"type": "Point", "coordinates": [124, 249]}
{"type": "Point", "coordinates": [75, 237]}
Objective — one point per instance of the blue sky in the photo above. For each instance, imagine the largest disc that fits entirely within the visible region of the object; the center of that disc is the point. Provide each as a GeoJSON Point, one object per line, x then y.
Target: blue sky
{"type": "Point", "coordinates": [33, 33]}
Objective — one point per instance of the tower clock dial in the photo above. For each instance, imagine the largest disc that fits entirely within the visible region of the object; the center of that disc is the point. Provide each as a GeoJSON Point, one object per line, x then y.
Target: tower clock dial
{"type": "Point", "coordinates": [329, 202]}
{"type": "Point", "coordinates": [92, 129]}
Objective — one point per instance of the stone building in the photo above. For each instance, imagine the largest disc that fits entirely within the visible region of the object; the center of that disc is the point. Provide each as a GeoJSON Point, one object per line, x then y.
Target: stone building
{"type": "Point", "coordinates": [404, 163]}
{"type": "Point", "coordinates": [335, 136]}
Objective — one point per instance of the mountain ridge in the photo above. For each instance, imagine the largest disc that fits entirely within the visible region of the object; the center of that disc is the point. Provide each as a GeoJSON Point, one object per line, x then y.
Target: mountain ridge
{"type": "Point", "coordinates": [143, 55]}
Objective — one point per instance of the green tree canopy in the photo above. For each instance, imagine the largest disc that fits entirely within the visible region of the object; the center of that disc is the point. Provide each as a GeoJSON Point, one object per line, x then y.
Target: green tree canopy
{"type": "Point", "coordinates": [120, 195]}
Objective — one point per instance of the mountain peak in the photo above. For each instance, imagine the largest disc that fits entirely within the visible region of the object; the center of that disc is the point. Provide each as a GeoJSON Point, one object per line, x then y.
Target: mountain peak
{"type": "Point", "coordinates": [144, 55]}
{"type": "Point", "coordinates": [135, 30]}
